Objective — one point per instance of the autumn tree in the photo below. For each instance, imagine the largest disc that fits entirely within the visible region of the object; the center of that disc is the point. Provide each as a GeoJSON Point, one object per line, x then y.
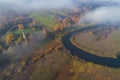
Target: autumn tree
{"type": "Point", "coordinates": [21, 66]}
{"type": "Point", "coordinates": [30, 35]}
{"type": "Point", "coordinates": [34, 22]}
{"type": "Point", "coordinates": [44, 31]}
{"type": "Point", "coordinates": [20, 39]}
{"type": "Point", "coordinates": [20, 27]}
{"type": "Point", "coordinates": [56, 28]}
{"type": "Point", "coordinates": [9, 38]}
{"type": "Point", "coordinates": [66, 22]}
{"type": "Point", "coordinates": [74, 19]}
{"type": "Point", "coordinates": [31, 25]}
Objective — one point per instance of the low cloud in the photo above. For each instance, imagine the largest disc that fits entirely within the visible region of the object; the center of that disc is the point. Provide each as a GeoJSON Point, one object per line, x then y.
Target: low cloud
{"type": "Point", "coordinates": [19, 51]}
{"type": "Point", "coordinates": [17, 7]}
{"type": "Point", "coordinates": [38, 4]}
{"type": "Point", "coordinates": [103, 15]}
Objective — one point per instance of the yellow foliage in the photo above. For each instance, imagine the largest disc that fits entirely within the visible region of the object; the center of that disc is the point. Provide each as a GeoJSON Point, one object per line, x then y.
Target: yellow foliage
{"type": "Point", "coordinates": [20, 39]}
{"type": "Point", "coordinates": [9, 38]}
{"type": "Point", "coordinates": [23, 63]}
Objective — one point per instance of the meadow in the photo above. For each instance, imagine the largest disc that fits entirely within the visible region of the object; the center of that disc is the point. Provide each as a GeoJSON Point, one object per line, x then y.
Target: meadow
{"type": "Point", "coordinates": [108, 46]}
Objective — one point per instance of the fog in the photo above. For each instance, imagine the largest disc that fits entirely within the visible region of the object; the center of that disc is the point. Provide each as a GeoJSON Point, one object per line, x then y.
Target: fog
{"type": "Point", "coordinates": [104, 14]}
{"type": "Point", "coordinates": [18, 52]}
{"type": "Point", "coordinates": [37, 4]}
{"type": "Point", "coordinates": [10, 8]}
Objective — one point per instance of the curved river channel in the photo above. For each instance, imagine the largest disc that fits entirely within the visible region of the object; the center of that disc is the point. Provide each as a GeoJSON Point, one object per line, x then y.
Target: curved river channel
{"type": "Point", "coordinates": [105, 61]}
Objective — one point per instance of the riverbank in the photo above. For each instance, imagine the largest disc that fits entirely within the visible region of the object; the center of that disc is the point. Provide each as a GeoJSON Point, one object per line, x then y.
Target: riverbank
{"type": "Point", "coordinates": [79, 46]}
{"type": "Point", "coordinates": [85, 49]}
{"type": "Point", "coordinates": [108, 46]}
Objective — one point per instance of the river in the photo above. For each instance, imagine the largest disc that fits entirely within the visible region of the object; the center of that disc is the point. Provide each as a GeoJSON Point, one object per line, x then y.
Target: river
{"type": "Point", "coordinates": [105, 61]}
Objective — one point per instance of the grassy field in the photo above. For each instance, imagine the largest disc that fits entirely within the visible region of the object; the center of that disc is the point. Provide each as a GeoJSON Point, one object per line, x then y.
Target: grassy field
{"type": "Point", "coordinates": [91, 71]}
{"type": "Point", "coordinates": [27, 30]}
{"type": "Point", "coordinates": [107, 47]}
{"type": "Point", "coordinates": [81, 70]}
{"type": "Point", "coordinates": [44, 19]}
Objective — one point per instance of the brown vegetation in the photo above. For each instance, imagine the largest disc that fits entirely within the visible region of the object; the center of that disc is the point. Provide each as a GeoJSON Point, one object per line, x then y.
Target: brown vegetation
{"type": "Point", "coordinates": [20, 27]}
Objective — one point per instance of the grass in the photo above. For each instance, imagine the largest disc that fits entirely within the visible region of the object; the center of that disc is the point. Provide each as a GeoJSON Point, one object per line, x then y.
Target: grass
{"type": "Point", "coordinates": [47, 69]}
{"type": "Point", "coordinates": [91, 71]}
{"type": "Point", "coordinates": [27, 30]}
{"type": "Point", "coordinates": [107, 47]}
{"type": "Point", "coordinates": [45, 19]}
{"type": "Point", "coordinates": [81, 70]}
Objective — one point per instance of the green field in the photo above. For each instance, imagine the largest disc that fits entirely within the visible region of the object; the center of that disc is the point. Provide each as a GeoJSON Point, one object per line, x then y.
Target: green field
{"type": "Point", "coordinates": [44, 19]}
{"type": "Point", "coordinates": [27, 30]}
